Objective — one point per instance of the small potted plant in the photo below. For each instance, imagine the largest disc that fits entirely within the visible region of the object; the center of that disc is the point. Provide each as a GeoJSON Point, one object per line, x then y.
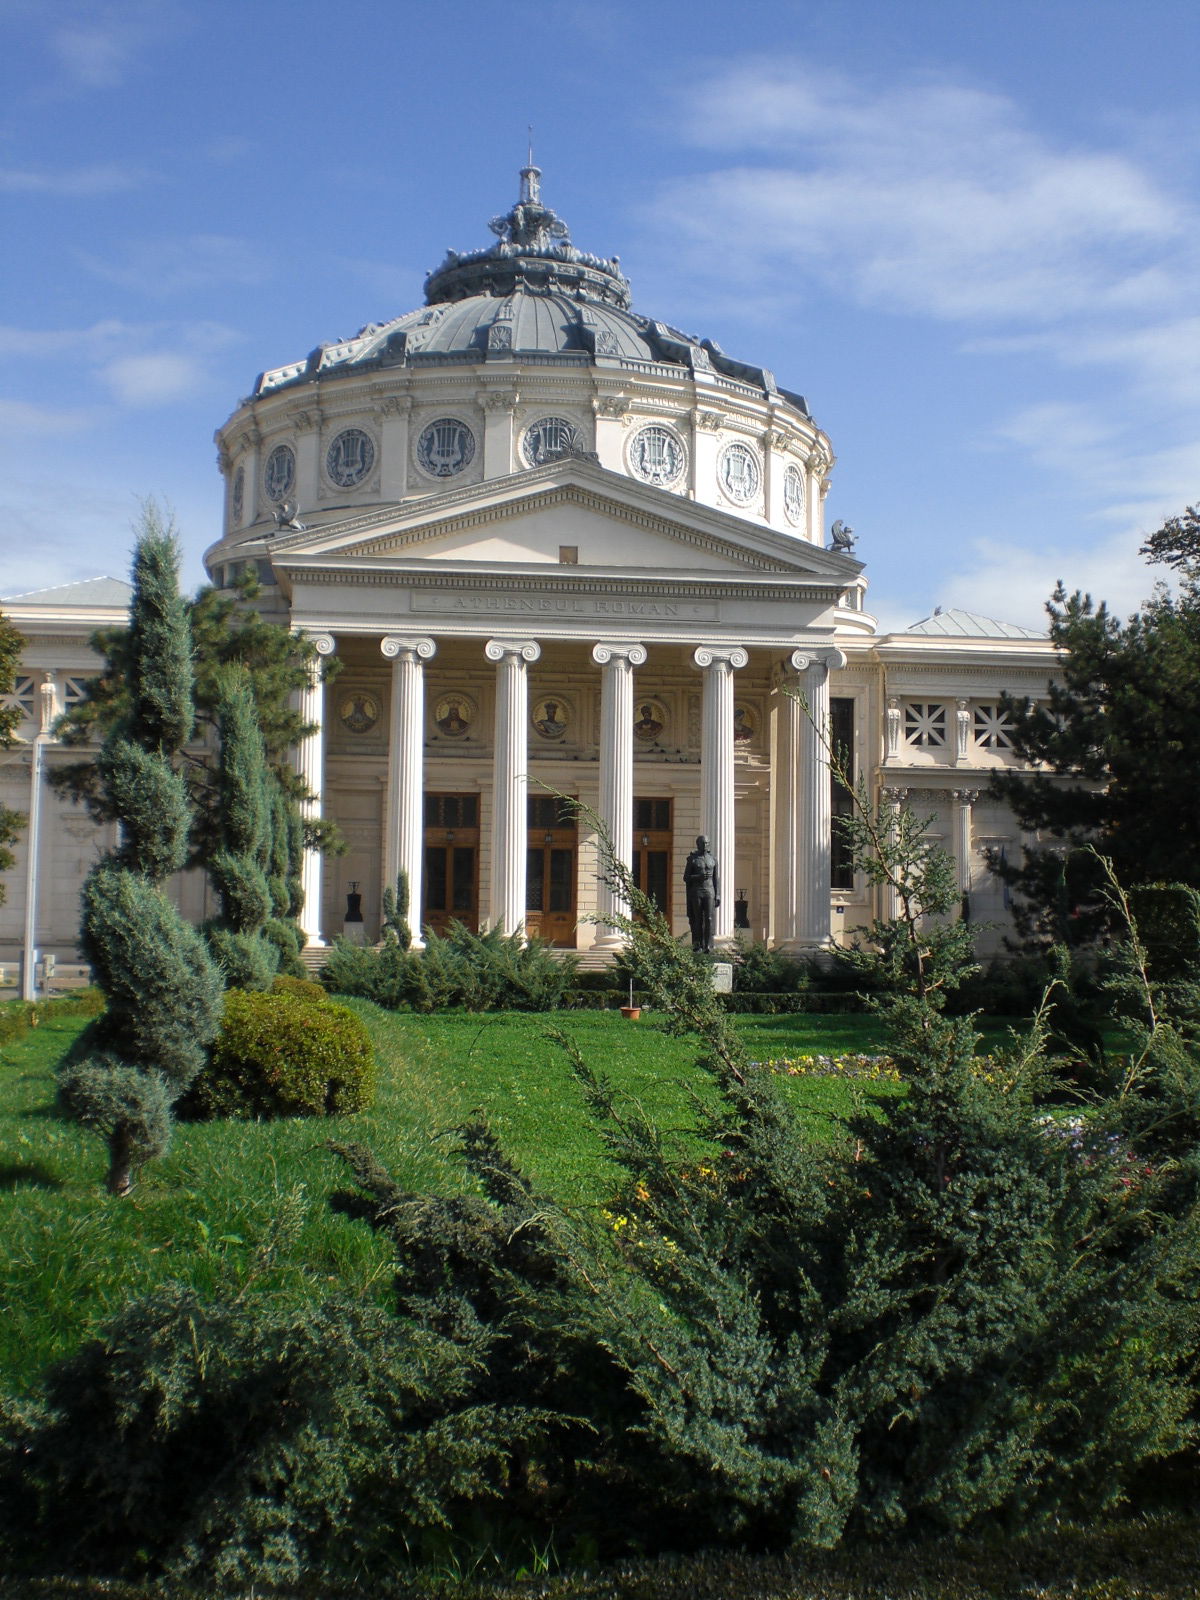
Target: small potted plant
{"type": "Point", "coordinates": [631, 1012]}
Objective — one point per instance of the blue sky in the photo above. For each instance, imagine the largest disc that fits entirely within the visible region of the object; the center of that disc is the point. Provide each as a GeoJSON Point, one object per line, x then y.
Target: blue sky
{"type": "Point", "coordinates": [966, 232]}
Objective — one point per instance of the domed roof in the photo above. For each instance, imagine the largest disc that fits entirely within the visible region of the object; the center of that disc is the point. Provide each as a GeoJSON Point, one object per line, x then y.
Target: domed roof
{"type": "Point", "coordinates": [533, 296]}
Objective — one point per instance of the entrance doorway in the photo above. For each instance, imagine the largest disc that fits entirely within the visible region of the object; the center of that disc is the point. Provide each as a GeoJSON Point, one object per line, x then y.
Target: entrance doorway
{"type": "Point", "coordinates": [550, 870]}
{"type": "Point", "coordinates": [451, 861]}
{"type": "Point", "coordinates": [652, 837]}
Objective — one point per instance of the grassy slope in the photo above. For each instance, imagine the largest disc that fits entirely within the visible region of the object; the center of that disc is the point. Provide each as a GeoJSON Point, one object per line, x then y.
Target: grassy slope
{"type": "Point", "coordinates": [242, 1204]}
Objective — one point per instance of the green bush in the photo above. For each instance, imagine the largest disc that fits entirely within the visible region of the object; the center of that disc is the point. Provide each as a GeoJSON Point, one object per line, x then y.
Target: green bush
{"type": "Point", "coordinates": [758, 969]}
{"type": "Point", "coordinates": [306, 988]}
{"type": "Point", "coordinates": [489, 971]}
{"type": "Point", "coordinates": [284, 1055]}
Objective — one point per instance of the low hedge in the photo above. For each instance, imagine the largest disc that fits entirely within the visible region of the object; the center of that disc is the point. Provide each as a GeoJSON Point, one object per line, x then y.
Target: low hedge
{"type": "Point", "coordinates": [282, 1054]}
{"type": "Point", "coordinates": [17, 1017]}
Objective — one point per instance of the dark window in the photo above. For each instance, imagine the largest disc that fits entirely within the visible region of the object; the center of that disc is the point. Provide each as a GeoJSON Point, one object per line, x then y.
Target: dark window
{"type": "Point", "coordinates": [451, 810]}
{"type": "Point", "coordinates": [652, 816]}
{"type": "Point", "coordinates": [841, 718]}
{"type": "Point", "coordinates": [549, 811]}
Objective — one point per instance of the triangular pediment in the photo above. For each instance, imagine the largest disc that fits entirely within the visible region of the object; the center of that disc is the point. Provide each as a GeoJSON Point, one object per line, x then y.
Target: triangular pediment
{"type": "Point", "coordinates": [601, 519]}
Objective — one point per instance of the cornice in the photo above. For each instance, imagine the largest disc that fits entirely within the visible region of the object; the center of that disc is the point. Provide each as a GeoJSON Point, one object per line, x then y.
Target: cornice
{"type": "Point", "coordinates": [659, 586]}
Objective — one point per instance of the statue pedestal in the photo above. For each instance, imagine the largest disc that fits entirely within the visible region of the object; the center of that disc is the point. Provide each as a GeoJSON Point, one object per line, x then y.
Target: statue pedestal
{"type": "Point", "coordinates": [354, 933]}
{"type": "Point", "coordinates": [722, 977]}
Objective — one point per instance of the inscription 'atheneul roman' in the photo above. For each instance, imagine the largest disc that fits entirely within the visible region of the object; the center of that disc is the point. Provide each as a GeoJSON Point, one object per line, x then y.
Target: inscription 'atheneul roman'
{"type": "Point", "coordinates": [566, 605]}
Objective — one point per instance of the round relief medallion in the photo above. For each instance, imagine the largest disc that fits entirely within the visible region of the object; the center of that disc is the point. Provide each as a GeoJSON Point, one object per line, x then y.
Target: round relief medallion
{"type": "Point", "coordinates": [445, 447]}
{"type": "Point", "coordinates": [551, 717]}
{"type": "Point", "coordinates": [547, 437]}
{"type": "Point", "coordinates": [453, 715]}
{"type": "Point", "coordinates": [238, 495]}
{"type": "Point", "coordinates": [350, 457]}
{"type": "Point", "coordinates": [280, 472]}
{"type": "Point", "coordinates": [739, 473]}
{"type": "Point", "coordinates": [793, 495]}
{"type": "Point", "coordinates": [656, 455]}
{"type": "Point", "coordinates": [358, 711]}
{"type": "Point", "coordinates": [651, 721]}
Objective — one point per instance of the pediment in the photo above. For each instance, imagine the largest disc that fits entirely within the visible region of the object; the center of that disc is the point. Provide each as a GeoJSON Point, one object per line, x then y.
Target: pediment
{"type": "Point", "coordinates": [527, 518]}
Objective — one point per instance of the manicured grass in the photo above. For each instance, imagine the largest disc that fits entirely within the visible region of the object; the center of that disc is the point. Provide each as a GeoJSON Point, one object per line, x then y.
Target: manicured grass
{"type": "Point", "coordinates": [243, 1207]}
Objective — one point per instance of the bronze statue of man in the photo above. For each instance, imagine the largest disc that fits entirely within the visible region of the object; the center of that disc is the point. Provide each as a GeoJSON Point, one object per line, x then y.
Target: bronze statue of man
{"type": "Point", "coordinates": [701, 878]}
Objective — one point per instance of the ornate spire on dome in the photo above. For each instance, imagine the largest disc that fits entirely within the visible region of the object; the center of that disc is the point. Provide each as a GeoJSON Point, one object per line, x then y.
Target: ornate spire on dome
{"type": "Point", "coordinates": [530, 225]}
{"type": "Point", "coordinates": [533, 251]}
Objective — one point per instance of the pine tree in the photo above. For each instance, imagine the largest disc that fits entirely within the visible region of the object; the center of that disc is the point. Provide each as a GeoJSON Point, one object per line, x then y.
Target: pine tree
{"type": "Point", "coordinates": [238, 865]}
{"type": "Point", "coordinates": [163, 993]}
{"type": "Point", "coordinates": [227, 632]}
{"type": "Point", "coordinates": [395, 912]}
{"type": "Point", "coordinates": [11, 822]}
{"type": "Point", "coordinates": [1113, 750]}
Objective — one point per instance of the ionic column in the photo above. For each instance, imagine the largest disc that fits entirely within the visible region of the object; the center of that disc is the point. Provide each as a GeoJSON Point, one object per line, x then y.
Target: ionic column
{"type": "Point", "coordinates": [964, 800]}
{"type": "Point", "coordinates": [510, 783]}
{"type": "Point", "coordinates": [616, 773]}
{"type": "Point", "coordinates": [889, 897]}
{"type": "Point", "coordinates": [718, 663]}
{"type": "Point", "coordinates": [404, 841]}
{"type": "Point", "coordinates": [310, 764]}
{"type": "Point", "coordinates": [814, 815]}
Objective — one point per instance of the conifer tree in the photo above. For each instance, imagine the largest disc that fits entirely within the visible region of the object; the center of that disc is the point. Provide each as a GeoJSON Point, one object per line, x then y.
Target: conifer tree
{"type": "Point", "coordinates": [11, 822]}
{"type": "Point", "coordinates": [238, 865]}
{"type": "Point", "coordinates": [163, 993]}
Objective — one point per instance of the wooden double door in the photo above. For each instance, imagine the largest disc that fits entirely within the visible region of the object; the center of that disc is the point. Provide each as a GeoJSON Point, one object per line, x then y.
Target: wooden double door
{"type": "Point", "coordinates": [651, 860]}
{"type": "Point", "coordinates": [451, 888]}
{"type": "Point", "coordinates": [551, 870]}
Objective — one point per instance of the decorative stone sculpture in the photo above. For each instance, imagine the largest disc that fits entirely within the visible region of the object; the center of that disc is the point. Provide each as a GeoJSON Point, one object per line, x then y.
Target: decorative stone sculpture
{"type": "Point", "coordinates": [701, 877]}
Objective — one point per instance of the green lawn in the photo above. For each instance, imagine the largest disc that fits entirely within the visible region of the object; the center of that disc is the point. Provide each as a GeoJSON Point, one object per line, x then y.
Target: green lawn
{"type": "Point", "coordinates": [244, 1207]}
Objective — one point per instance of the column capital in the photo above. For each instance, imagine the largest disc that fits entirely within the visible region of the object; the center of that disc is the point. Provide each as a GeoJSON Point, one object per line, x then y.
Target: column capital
{"type": "Point", "coordinates": [393, 645]}
{"type": "Point", "coordinates": [325, 643]}
{"type": "Point", "coordinates": [528, 649]}
{"type": "Point", "coordinates": [825, 658]}
{"type": "Point", "coordinates": [966, 797]}
{"type": "Point", "coordinates": [607, 650]}
{"type": "Point", "coordinates": [720, 655]}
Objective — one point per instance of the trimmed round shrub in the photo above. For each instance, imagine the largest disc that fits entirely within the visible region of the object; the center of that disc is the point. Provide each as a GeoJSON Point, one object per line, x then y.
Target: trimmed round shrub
{"type": "Point", "coordinates": [285, 1055]}
{"type": "Point", "coordinates": [306, 988]}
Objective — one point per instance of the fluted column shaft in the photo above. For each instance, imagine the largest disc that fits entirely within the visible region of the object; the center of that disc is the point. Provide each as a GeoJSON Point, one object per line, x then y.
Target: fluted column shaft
{"type": "Point", "coordinates": [510, 784]}
{"type": "Point", "coordinates": [310, 764]}
{"type": "Point", "coordinates": [616, 773]}
{"type": "Point", "coordinates": [718, 663]}
{"type": "Point", "coordinates": [889, 898]}
{"type": "Point", "coordinates": [964, 800]}
{"type": "Point", "coordinates": [404, 842]}
{"type": "Point", "coordinates": [816, 801]}
{"type": "Point", "coordinates": [787, 782]}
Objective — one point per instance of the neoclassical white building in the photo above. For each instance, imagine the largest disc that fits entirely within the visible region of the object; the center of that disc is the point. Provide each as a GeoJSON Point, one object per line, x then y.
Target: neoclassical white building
{"type": "Point", "coordinates": [561, 548]}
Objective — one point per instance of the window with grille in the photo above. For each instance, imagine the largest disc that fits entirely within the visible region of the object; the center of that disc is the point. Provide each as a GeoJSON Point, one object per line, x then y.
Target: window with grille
{"type": "Point", "coordinates": [652, 816]}
{"type": "Point", "coordinates": [451, 810]}
{"type": "Point", "coordinates": [549, 811]}
{"type": "Point", "coordinates": [993, 730]}
{"type": "Point", "coordinates": [925, 724]}
{"type": "Point", "coordinates": [24, 693]}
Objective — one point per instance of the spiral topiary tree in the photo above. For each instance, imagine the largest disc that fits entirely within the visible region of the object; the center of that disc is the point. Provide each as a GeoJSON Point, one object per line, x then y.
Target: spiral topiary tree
{"type": "Point", "coordinates": [240, 864]}
{"type": "Point", "coordinates": [163, 993]}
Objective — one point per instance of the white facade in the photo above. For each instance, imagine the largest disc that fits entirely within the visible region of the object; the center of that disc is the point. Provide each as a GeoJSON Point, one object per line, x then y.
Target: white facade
{"type": "Point", "coordinates": [562, 549]}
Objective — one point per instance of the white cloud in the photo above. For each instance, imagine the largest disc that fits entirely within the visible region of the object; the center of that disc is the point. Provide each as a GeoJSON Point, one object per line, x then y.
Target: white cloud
{"type": "Point", "coordinates": [929, 198]}
{"type": "Point", "coordinates": [1011, 581]}
{"type": "Point", "coordinates": [24, 416]}
{"type": "Point", "coordinates": [153, 379]}
{"type": "Point", "coordinates": [75, 183]}
{"type": "Point", "coordinates": [157, 268]}
{"type": "Point", "coordinates": [138, 364]}
{"type": "Point", "coordinates": [99, 46]}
